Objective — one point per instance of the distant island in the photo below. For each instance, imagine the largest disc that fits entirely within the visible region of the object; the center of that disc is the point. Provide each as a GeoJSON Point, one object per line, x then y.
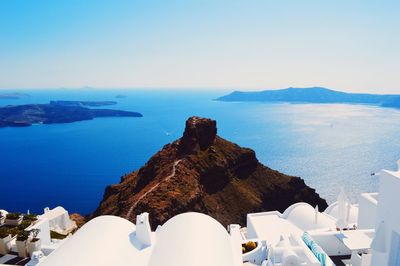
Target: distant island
{"type": "Point", "coordinates": [312, 95]}
{"type": "Point", "coordinates": [13, 96]}
{"type": "Point", "coordinates": [84, 103]}
{"type": "Point", "coordinates": [120, 96]}
{"type": "Point", "coordinates": [55, 112]}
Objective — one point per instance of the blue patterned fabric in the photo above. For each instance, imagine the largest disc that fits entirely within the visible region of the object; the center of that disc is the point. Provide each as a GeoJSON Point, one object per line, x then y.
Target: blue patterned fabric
{"type": "Point", "coordinates": [307, 239]}
{"type": "Point", "coordinates": [315, 248]}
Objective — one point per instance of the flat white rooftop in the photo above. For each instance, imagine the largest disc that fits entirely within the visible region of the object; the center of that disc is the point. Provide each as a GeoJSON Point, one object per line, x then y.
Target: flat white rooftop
{"type": "Point", "coordinates": [269, 226]}
{"type": "Point", "coordinates": [355, 239]}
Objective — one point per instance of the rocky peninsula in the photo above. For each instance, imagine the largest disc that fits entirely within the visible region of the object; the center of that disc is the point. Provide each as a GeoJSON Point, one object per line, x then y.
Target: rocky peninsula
{"type": "Point", "coordinates": [205, 173]}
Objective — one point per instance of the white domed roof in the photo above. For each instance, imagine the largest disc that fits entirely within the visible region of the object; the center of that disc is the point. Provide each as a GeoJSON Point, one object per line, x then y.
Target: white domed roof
{"type": "Point", "coordinates": [105, 240]}
{"type": "Point", "coordinates": [333, 210]}
{"type": "Point", "coordinates": [302, 215]}
{"type": "Point", "coordinates": [192, 239]}
{"type": "Point", "coordinates": [187, 239]}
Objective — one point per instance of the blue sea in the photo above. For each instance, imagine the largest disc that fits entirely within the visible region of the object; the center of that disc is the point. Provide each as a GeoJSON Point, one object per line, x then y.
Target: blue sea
{"type": "Point", "coordinates": [330, 146]}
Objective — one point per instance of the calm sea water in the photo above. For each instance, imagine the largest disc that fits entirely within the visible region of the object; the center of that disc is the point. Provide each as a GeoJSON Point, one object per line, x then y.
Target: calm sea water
{"type": "Point", "coordinates": [330, 146]}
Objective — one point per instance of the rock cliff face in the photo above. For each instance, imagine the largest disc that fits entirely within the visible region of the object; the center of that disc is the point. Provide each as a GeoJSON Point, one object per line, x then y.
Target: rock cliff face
{"type": "Point", "coordinates": [205, 173]}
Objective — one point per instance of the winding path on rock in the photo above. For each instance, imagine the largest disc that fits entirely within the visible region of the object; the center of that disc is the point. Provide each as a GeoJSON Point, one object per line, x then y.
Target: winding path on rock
{"type": "Point", "coordinates": [153, 188]}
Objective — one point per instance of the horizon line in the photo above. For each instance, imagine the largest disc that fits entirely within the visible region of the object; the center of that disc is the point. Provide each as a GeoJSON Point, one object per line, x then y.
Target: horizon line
{"type": "Point", "coordinates": [231, 88]}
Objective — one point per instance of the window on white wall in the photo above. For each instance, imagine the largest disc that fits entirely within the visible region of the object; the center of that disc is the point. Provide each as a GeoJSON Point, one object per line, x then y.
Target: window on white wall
{"type": "Point", "coordinates": [394, 255]}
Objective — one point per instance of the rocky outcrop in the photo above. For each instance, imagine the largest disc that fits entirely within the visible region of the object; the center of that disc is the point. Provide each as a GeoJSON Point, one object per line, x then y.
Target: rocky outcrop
{"type": "Point", "coordinates": [78, 219]}
{"type": "Point", "coordinates": [199, 135]}
{"type": "Point", "coordinates": [205, 173]}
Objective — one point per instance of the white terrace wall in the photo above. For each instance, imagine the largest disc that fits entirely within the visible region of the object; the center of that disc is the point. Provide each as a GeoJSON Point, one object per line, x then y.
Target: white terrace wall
{"type": "Point", "coordinates": [44, 233]}
{"type": "Point", "coordinates": [389, 214]}
{"type": "Point", "coordinates": [368, 204]}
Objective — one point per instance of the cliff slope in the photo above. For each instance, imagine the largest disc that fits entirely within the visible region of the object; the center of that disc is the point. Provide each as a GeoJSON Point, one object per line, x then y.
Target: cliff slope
{"type": "Point", "coordinates": [205, 173]}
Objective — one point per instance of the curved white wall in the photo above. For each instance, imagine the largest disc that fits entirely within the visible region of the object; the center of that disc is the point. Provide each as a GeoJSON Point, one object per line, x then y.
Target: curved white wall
{"type": "Point", "coordinates": [192, 239]}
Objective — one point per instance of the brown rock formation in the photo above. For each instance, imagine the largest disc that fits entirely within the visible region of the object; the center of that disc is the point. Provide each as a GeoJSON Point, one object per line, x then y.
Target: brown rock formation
{"type": "Point", "coordinates": [205, 173]}
{"type": "Point", "coordinates": [78, 219]}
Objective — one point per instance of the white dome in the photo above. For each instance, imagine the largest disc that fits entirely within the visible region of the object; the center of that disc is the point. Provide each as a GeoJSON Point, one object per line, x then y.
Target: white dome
{"type": "Point", "coordinates": [192, 239]}
{"type": "Point", "coordinates": [187, 239]}
{"type": "Point", "coordinates": [333, 210]}
{"type": "Point", "coordinates": [302, 215]}
{"type": "Point", "coordinates": [105, 240]}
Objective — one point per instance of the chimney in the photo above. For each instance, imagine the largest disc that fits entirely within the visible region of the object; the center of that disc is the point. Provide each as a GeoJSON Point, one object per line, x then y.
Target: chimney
{"type": "Point", "coordinates": [143, 229]}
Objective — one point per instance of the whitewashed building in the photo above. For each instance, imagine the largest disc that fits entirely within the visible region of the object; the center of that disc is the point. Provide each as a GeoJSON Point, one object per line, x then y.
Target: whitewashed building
{"type": "Point", "coordinates": [59, 220]}
{"type": "Point", "coordinates": [366, 233]}
{"type": "Point", "coordinates": [56, 219]}
{"type": "Point", "coordinates": [386, 245]}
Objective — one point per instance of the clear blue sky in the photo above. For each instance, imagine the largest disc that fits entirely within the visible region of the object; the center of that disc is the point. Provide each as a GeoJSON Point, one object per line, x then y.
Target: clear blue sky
{"type": "Point", "coordinates": [349, 45]}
